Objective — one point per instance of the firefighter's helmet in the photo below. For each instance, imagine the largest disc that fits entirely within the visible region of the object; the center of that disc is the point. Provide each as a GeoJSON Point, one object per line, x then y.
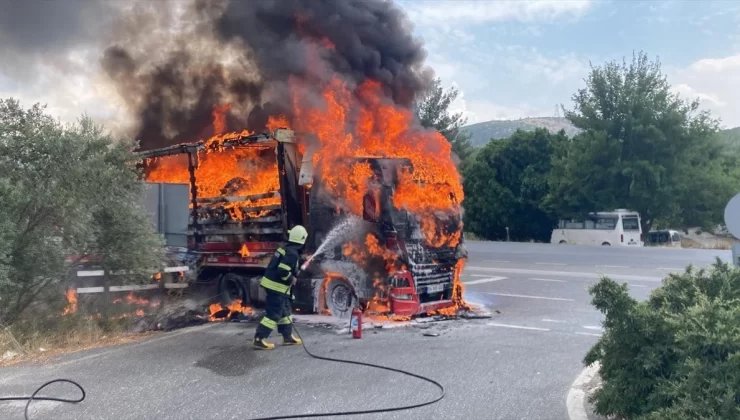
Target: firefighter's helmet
{"type": "Point", "coordinates": [297, 235]}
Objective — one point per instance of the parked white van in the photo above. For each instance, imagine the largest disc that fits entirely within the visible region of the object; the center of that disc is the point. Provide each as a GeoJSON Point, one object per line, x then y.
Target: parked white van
{"type": "Point", "coordinates": [668, 238]}
{"type": "Point", "coordinates": [618, 227]}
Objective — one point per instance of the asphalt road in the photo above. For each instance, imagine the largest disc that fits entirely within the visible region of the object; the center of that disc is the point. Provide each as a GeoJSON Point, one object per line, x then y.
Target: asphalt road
{"type": "Point", "coordinates": [517, 365]}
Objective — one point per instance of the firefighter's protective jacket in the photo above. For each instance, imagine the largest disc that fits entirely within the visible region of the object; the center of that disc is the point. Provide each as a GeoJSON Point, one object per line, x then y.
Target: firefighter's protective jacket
{"type": "Point", "coordinates": [282, 267]}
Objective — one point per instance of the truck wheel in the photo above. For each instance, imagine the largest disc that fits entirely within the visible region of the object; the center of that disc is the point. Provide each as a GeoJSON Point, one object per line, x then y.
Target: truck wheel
{"type": "Point", "coordinates": [339, 297]}
{"type": "Point", "coordinates": [231, 288]}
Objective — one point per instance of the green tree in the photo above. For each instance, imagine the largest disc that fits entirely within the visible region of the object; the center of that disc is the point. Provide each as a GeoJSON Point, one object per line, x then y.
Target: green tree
{"type": "Point", "coordinates": [676, 355]}
{"type": "Point", "coordinates": [66, 192]}
{"type": "Point", "coordinates": [642, 148]}
{"type": "Point", "coordinates": [432, 110]}
{"type": "Point", "coordinates": [505, 184]}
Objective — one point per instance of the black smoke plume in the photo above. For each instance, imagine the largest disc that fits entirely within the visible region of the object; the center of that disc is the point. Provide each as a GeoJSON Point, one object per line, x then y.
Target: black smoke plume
{"type": "Point", "coordinates": [173, 65]}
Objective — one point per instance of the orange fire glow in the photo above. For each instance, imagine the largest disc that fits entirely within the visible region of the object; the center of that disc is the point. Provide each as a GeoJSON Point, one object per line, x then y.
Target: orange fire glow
{"type": "Point", "coordinates": [244, 251]}
{"type": "Point", "coordinates": [71, 302]}
{"type": "Point", "coordinates": [136, 300]}
{"type": "Point", "coordinates": [219, 118]}
{"type": "Point", "coordinates": [233, 308]}
{"type": "Point", "coordinates": [457, 292]}
{"type": "Point", "coordinates": [363, 122]}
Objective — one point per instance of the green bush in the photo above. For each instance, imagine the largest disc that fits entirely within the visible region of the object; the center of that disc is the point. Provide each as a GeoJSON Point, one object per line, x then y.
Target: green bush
{"type": "Point", "coordinates": [676, 355]}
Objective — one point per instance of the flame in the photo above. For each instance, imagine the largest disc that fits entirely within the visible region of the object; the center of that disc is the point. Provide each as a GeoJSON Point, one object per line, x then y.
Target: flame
{"type": "Point", "coordinates": [219, 118]}
{"type": "Point", "coordinates": [457, 292]}
{"type": "Point", "coordinates": [132, 299]}
{"type": "Point", "coordinates": [244, 251]}
{"type": "Point", "coordinates": [277, 121]}
{"type": "Point", "coordinates": [225, 172]}
{"type": "Point", "coordinates": [234, 307]}
{"type": "Point", "coordinates": [364, 122]}
{"type": "Point", "coordinates": [71, 307]}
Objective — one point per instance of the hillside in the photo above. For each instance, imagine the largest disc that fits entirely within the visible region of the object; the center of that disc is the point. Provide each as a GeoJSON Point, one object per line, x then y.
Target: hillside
{"type": "Point", "coordinates": [730, 137]}
{"type": "Point", "coordinates": [481, 133]}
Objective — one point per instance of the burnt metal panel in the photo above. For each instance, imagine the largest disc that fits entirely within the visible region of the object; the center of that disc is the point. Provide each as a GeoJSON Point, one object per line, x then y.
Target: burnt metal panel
{"type": "Point", "coordinates": [287, 156]}
{"type": "Point", "coordinates": [167, 205]}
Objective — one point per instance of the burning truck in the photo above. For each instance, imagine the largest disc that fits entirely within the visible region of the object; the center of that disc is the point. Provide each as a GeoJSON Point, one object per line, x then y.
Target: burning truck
{"type": "Point", "coordinates": [387, 228]}
{"type": "Point", "coordinates": [324, 93]}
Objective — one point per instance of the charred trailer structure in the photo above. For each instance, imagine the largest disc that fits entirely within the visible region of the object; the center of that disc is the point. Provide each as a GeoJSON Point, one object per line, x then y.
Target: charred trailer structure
{"type": "Point", "coordinates": [247, 190]}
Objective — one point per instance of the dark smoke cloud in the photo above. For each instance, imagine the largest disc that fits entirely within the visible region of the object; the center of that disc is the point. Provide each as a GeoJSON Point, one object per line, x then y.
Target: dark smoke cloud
{"type": "Point", "coordinates": [243, 52]}
{"type": "Point", "coordinates": [371, 39]}
{"type": "Point", "coordinates": [170, 62]}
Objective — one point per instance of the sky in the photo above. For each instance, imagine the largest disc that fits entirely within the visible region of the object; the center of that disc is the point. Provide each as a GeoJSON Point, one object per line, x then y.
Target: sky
{"type": "Point", "coordinates": [509, 59]}
{"type": "Point", "coordinates": [516, 59]}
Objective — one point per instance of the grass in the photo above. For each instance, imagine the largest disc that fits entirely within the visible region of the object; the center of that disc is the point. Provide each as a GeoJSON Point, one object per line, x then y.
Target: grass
{"type": "Point", "coordinates": [37, 338]}
{"type": "Point", "coordinates": [719, 243]}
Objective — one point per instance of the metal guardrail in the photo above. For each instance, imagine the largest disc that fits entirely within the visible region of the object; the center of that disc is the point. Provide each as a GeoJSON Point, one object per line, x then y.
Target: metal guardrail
{"type": "Point", "coordinates": [101, 293]}
{"type": "Point", "coordinates": [129, 287]}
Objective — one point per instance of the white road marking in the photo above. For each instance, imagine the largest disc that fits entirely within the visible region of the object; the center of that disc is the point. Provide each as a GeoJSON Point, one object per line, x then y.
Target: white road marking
{"type": "Point", "coordinates": [528, 296]}
{"type": "Point", "coordinates": [520, 327]}
{"type": "Point", "coordinates": [589, 334]}
{"type": "Point", "coordinates": [486, 280]}
{"type": "Point", "coordinates": [550, 280]}
{"type": "Point", "coordinates": [593, 327]}
{"type": "Point", "coordinates": [557, 321]}
{"type": "Point", "coordinates": [579, 274]}
{"type": "Point", "coordinates": [576, 395]}
{"type": "Point", "coordinates": [550, 263]}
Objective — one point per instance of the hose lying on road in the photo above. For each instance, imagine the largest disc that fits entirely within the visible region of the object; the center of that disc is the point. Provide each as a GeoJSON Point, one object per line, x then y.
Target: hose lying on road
{"type": "Point", "coordinates": [33, 396]}
{"type": "Point", "coordinates": [358, 412]}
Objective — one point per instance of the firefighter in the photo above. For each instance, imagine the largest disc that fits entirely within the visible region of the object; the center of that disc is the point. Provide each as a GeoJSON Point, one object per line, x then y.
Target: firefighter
{"type": "Point", "coordinates": [280, 276]}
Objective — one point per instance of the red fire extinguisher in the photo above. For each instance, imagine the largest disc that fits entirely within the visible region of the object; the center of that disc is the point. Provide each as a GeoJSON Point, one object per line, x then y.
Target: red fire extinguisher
{"type": "Point", "coordinates": [355, 323]}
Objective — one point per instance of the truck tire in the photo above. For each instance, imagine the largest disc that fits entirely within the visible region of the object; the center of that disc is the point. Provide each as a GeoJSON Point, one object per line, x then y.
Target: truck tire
{"type": "Point", "coordinates": [232, 287]}
{"type": "Point", "coordinates": [339, 297]}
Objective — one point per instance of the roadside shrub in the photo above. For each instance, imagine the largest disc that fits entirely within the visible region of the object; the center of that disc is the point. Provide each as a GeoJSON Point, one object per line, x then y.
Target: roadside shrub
{"type": "Point", "coordinates": [676, 355]}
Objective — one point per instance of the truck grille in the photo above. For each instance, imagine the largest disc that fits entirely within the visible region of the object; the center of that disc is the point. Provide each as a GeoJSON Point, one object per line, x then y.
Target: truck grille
{"type": "Point", "coordinates": [433, 281]}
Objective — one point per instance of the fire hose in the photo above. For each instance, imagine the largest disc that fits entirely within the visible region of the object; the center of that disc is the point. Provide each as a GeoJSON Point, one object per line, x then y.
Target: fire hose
{"type": "Point", "coordinates": [34, 397]}
{"type": "Point", "coordinates": [359, 412]}
{"type": "Point", "coordinates": [354, 362]}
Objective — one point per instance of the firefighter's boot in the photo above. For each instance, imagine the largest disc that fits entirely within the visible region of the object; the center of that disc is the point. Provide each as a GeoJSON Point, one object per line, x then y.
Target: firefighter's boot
{"type": "Point", "coordinates": [291, 340]}
{"type": "Point", "coordinates": [261, 344]}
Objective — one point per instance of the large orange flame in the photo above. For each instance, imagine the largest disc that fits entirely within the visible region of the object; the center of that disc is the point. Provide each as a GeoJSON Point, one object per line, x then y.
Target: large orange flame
{"type": "Point", "coordinates": [364, 122]}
